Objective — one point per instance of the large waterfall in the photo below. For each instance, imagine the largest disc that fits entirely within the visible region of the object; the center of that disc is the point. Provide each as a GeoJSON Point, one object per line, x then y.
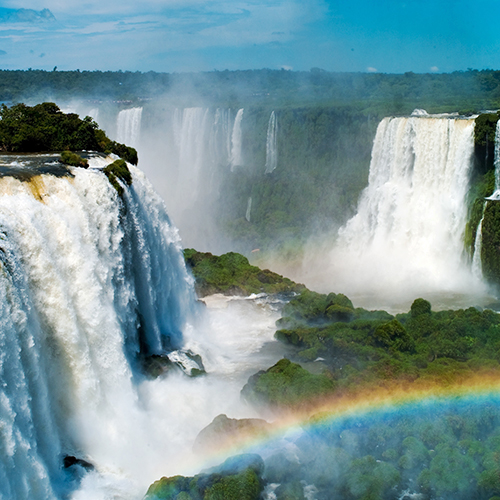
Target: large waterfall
{"type": "Point", "coordinates": [187, 160]}
{"type": "Point", "coordinates": [92, 285]}
{"type": "Point", "coordinates": [87, 283]}
{"type": "Point", "coordinates": [407, 235]}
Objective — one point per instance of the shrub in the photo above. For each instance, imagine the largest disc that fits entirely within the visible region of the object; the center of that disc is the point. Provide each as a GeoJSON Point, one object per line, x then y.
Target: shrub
{"type": "Point", "coordinates": [73, 159]}
{"type": "Point", "coordinates": [118, 170]}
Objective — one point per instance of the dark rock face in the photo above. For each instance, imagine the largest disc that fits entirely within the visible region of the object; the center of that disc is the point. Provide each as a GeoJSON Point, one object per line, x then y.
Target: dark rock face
{"type": "Point", "coordinates": [70, 461]}
{"type": "Point", "coordinates": [490, 248]}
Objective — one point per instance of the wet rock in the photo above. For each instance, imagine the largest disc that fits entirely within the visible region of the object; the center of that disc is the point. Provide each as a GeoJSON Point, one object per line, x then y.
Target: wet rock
{"type": "Point", "coordinates": [224, 432]}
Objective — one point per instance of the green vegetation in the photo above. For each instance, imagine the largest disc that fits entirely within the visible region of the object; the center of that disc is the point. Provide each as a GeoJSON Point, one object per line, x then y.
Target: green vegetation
{"type": "Point", "coordinates": [118, 170]}
{"type": "Point", "coordinates": [286, 385]}
{"type": "Point", "coordinates": [490, 247]}
{"type": "Point", "coordinates": [73, 159]}
{"type": "Point", "coordinates": [483, 176]}
{"type": "Point", "coordinates": [361, 348]}
{"type": "Point", "coordinates": [467, 91]}
{"type": "Point", "coordinates": [231, 274]}
{"type": "Point", "coordinates": [238, 478]}
{"type": "Point", "coordinates": [438, 449]}
{"type": "Point", "coordinates": [43, 128]}
{"type": "Point", "coordinates": [446, 450]}
{"type": "Point", "coordinates": [315, 186]}
{"type": "Point", "coordinates": [436, 452]}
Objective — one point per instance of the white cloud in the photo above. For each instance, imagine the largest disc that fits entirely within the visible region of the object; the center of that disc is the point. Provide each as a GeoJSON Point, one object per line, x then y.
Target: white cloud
{"type": "Point", "coordinates": [434, 69]}
{"type": "Point", "coordinates": [370, 69]}
{"type": "Point", "coordinates": [150, 30]}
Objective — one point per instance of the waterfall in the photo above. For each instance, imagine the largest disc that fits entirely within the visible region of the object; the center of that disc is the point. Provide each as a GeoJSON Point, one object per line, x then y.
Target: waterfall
{"type": "Point", "coordinates": [201, 147]}
{"type": "Point", "coordinates": [476, 258]}
{"type": "Point", "coordinates": [128, 126]}
{"type": "Point", "coordinates": [271, 144]}
{"type": "Point", "coordinates": [497, 157]}
{"type": "Point", "coordinates": [87, 281]}
{"type": "Point", "coordinates": [249, 209]}
{"type": "Point", "coordinates": [236, 140]}
{"type": "Point", "coordinates": [408, 230]}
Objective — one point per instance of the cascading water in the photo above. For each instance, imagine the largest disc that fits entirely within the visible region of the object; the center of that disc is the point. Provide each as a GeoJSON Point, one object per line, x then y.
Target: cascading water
{"type": "Point", "coordinates": [476, 258]}
{"type": "Point", "coordinates": [272, 144]}
{"type": "Point", "coordinates": [80, 277]}
{"type": "Point", "coordinates": [407, 237]}
{"type": "Point", "coordinates": [249, 209]}
{"type": "Point", "coordinates": [497, 157]}
{"type": "Point", "coordinates": [236, 159]}
{"type": "Point", "coordinates": [202, 145]}
{"type": "Point", "coordinates": [90, 285]}
{"type": "Point", "coordinates": [128, 126]}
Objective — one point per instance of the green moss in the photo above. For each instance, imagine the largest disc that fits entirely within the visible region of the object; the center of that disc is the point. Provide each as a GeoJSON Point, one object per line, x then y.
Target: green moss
{"type": "Point", "coordinates": [118, 170]}
{"type": "Point", "coordinates": [238, 478]}
{"type": "Point", "coordinates": [490, 248]}
{"type": "Point", "coordinates": [73, 159]}
{"type": "Point", "coordinates": [232, 274]}
{"type": "Point", "coordinates": [167, 488]}
{"type": "Point", "coordinates": [243, 486]}
{"type": "Point", "coordinates": [286, 384]}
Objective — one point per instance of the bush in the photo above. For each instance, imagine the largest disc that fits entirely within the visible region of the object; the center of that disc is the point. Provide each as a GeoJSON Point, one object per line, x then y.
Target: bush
{"type": "Point", "coordinates": [74, 160]}
{"type": "Point", "coordinates": [118, 170]}
{"type": "Point", "coordinates": [286, 385]}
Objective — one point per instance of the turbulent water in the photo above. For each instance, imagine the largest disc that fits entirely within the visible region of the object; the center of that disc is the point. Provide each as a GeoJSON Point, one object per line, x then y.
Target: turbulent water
{"type": "Point", "coordinates": [406, 239]}
{"type": "Point", "coordinates": [90, 284]}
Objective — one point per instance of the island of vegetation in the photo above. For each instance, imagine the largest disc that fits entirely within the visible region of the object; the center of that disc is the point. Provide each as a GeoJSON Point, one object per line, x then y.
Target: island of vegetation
{"type": "Point", "coordinates": [45, 128]}
{"type": "Point", "coordinates": [232, 274]}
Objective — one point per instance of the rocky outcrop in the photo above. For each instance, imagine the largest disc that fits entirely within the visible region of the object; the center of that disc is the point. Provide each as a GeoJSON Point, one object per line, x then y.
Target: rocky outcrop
{"type": "Point", "coordinates": [224, 432]}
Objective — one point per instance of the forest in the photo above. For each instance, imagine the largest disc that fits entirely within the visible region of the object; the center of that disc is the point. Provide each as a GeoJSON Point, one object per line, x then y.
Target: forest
{"type": "Point", "coordinates": [386, 94]}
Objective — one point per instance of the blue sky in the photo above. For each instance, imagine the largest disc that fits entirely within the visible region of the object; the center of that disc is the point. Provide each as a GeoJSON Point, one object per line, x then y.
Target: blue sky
{"type": "Point", "coordinates": [386, 36]}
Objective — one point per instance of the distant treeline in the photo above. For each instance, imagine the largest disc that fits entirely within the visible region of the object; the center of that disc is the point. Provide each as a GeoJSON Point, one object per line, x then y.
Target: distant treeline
{"type": "Point", "coordinates": [464, 91]}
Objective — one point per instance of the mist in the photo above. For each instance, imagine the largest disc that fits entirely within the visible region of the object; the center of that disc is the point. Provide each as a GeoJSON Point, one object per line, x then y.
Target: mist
{"type": "Point", "coordinates": [289, 182]}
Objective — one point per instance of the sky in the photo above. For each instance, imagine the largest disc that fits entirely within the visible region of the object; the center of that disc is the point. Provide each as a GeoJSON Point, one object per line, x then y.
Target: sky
{"type": "Point", "coordinates": [385, 36]}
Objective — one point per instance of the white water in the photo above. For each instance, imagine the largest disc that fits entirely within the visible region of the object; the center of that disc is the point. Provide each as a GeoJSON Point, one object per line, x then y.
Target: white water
{"type": "Point", "coordinates": [272, 144]}
{"type": "Point", "coordinates": [236, 136]}
{"type": "Point", "coordinates": [497, 157]}
{"type": "Point", "coordinates": [249, 209]}
{"type": "Point", "coordinates": [406, 239]}
{"type": "Point", "coordinates": [201, 146]}
{"type": "Point", "coordinates": [78, 273]}
{"type": "Point", "coordinates": [477, 267]}
{"type": "Point", "coordinates": [128, 127]}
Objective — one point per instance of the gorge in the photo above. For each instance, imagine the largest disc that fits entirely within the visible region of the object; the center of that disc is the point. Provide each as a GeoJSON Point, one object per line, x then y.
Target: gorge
{"type": "Point", "coordinates": [94, 284]}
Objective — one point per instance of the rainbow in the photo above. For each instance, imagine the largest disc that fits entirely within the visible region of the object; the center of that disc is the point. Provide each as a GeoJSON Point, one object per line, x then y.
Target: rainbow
{"type": "Point", "coordinates": [388, 402]}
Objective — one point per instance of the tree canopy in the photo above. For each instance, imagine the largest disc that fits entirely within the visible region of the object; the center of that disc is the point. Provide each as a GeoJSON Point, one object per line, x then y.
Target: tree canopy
{"type": "Point", "coordinates": [44, 127]}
